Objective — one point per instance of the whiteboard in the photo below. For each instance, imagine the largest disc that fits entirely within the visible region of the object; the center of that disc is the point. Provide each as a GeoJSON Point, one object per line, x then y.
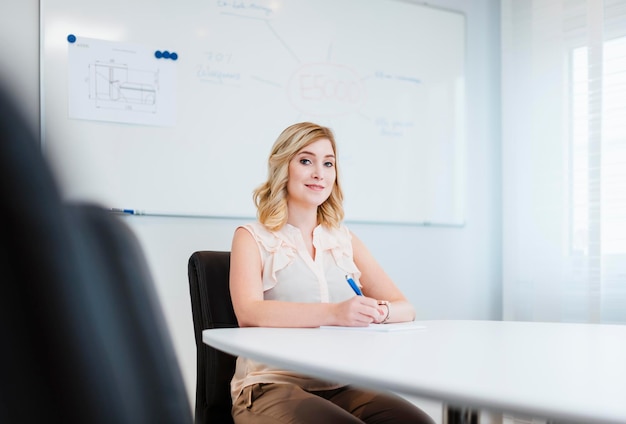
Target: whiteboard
{"type": "Point", "coordinates": [191, 136]}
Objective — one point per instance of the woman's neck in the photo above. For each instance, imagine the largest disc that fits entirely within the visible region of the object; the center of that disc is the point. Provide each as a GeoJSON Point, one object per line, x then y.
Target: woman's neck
{"type": "Point", "coordinates": [305, 220]}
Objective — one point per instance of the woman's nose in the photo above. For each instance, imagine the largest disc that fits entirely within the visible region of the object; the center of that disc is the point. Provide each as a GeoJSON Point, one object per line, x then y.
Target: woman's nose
{"type": "Point", "coordinates": [318, 173]}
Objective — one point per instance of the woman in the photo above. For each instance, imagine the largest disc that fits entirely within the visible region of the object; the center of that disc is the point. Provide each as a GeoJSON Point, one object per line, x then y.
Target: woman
{"type": "Point", "coordinates": [289, 270]}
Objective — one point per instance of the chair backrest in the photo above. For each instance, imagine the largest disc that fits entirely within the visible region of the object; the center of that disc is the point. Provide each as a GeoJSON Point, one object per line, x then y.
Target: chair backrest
{"type": "Point", "coordinates": [82, 331]}
{"type": "Point", "coordinates": [211, 307]}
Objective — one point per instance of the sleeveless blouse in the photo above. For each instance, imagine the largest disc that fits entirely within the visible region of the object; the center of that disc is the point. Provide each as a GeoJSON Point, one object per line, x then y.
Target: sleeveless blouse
{"type": "Point", "coordinates": [289, 273]}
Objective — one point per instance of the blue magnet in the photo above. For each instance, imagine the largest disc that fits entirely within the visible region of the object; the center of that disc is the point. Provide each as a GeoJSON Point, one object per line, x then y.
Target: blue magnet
{"type": "Point", "coordinates": [173, 56]}
{"type": "Point", "coordinates": [71, 38]}
{"type": "Point", "coordinates": [158, 54]}
{"type": "Point", "coordinates": [166, 54]}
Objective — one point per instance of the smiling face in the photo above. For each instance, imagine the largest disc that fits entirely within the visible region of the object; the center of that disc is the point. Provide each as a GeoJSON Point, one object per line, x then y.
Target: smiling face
{"type": "Point", "coordinates": [312, 174]}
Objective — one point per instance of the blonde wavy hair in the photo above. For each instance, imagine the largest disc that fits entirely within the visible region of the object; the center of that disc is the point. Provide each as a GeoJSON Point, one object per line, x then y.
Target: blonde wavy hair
{"type": "Point", "coordinates": [270, 197]}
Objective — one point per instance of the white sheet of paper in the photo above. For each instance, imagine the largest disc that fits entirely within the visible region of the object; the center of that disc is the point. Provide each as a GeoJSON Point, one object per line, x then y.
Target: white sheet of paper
{"type": "Point", "coordinates": [399, 326]}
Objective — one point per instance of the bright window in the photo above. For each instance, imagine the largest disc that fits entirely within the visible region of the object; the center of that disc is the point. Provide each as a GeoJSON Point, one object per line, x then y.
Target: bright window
{"type": "Point", "coordinates": [599, 159]}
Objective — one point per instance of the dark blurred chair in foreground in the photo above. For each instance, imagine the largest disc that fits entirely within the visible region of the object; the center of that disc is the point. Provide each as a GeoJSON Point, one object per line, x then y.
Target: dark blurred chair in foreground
{"type": "Point", "coordinates": [83, 335]}
{"type": "Point", "coordinates": [211, 308]}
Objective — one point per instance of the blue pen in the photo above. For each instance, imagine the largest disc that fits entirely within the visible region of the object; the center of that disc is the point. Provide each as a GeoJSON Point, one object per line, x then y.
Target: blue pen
{"type": "Point", "coordinates": [356, 288]}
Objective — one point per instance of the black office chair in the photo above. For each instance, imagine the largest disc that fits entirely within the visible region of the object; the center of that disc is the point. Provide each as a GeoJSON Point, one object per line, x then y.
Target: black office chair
{"type": "Point", "coordinates": [211, 308]}
{"type": "Point", "coordinates": [83, 337]}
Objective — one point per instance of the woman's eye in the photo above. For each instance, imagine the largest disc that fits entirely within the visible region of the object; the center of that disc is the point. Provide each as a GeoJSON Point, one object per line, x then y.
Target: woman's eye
{"type": "Point", "coordinates": [329, 164]}
{"type": "Point", "coordinates": [305, 161]}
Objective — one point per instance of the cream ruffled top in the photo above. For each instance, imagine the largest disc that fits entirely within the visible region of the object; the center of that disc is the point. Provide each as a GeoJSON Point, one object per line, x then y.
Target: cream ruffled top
{"type": "Point", "coordinates": [291, 274]}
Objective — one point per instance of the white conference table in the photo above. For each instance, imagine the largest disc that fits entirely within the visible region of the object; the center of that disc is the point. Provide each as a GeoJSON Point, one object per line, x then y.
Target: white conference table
{"type": "Point", "coordinates": [570, 372]}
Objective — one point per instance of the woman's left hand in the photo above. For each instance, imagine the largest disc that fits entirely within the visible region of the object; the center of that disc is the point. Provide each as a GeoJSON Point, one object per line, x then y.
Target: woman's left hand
{"type": "Point", "coordinates": [383, 312]}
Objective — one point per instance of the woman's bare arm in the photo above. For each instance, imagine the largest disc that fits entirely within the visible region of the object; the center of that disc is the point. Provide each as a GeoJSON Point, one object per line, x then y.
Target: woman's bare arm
{"type": "Point", "coordinates": [378, 285]}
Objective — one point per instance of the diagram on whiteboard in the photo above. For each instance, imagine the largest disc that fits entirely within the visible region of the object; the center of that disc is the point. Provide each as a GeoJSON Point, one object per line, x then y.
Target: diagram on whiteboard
{"type": "Point", "coordinates": [118, 82]}
{"type": "Point", "coordinates": [328, 83]}
{"type": "Point", "coordinates": [120, 87]}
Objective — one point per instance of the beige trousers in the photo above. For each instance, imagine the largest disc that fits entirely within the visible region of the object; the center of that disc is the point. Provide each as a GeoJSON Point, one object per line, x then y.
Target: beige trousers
{"type": "Point", "coordinates": [290, 404]}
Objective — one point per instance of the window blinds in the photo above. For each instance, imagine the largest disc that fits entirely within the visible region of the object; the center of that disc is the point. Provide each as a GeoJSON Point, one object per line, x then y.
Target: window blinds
{"type": "Point", "coordinates": [564, 160]}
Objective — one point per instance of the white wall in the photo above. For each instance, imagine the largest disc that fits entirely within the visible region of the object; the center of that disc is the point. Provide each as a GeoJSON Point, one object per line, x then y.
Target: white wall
{"type": "Point", "coordinates": [19, 44]}
{"type": "Point", "coordinates": [448, 273]}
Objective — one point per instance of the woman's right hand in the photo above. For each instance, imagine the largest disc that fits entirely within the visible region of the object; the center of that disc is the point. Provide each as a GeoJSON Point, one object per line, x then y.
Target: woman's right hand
{"type": "Point", "coordinates": [358, 311]}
